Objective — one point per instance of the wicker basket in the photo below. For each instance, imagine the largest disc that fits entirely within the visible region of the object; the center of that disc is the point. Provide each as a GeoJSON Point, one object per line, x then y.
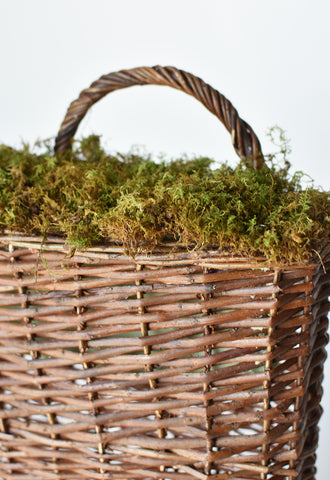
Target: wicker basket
{"type": "Point", "coordinates": [174, 365]}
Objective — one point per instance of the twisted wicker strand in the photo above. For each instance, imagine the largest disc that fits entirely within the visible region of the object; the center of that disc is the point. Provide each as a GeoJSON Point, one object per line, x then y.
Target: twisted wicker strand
{"type": "Point", "coordinates": [245, 141]}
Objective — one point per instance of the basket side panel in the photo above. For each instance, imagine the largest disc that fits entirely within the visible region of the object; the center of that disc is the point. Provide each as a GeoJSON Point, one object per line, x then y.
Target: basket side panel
{"type": "Point", "coordinates": [163, 367]}
{"type": "Point", "coordinates": [310, 407]}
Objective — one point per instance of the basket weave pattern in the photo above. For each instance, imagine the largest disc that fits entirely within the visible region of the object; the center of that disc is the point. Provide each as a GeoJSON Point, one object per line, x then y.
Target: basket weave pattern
{"type": "Point", "coordinates": [169, 366]}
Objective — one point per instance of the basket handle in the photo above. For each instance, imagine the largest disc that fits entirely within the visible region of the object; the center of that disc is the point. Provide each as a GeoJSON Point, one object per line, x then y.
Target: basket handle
{"type": "Point", "coordinates": [245, 141]}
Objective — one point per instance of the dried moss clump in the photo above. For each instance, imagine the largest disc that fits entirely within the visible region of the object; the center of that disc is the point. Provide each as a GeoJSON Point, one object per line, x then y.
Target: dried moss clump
{"type": "Point", "coordinates": [90, 196]}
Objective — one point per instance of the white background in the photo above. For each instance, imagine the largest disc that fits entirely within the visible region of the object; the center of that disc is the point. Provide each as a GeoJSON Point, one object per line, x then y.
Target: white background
{"type": "Point", "coordinates": [270, 58]}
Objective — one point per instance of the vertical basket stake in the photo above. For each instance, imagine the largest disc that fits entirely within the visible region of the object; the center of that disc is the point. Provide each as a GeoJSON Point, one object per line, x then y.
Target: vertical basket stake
{"type": "Point", "coordinates": [147, 350]}
{"type": "Point", "coordinates": [207, 386]}
{"type": "Point", "coordinates": [266, 384]}
{"type": "Point", "coordinates": [83, 347]}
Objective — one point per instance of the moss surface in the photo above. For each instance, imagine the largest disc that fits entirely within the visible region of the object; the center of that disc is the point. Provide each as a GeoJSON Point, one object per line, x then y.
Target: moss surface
{"type": "Point", "coordinates": [90, 196]}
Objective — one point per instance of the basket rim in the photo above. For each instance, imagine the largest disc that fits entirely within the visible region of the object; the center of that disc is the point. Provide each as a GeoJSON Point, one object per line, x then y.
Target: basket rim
{"type": "Point", "coordinates": [166, 252]}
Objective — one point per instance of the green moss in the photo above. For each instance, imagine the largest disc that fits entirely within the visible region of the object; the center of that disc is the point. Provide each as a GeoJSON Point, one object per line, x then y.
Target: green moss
{"type": "Point", "coordinates": [90, 196]}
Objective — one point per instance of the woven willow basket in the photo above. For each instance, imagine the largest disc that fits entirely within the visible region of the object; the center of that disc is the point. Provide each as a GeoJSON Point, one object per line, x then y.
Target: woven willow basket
{"type": "Point", "coordinates": [185, 365]}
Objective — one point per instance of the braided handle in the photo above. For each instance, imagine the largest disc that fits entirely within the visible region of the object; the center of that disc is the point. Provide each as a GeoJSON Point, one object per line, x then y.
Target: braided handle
{"type": "Point", "coordinates": [245, 141]}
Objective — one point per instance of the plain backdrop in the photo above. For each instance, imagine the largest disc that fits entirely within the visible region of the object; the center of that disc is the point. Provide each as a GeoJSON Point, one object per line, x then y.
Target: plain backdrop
{"type": "Point", "coordinates": [270, 58]}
